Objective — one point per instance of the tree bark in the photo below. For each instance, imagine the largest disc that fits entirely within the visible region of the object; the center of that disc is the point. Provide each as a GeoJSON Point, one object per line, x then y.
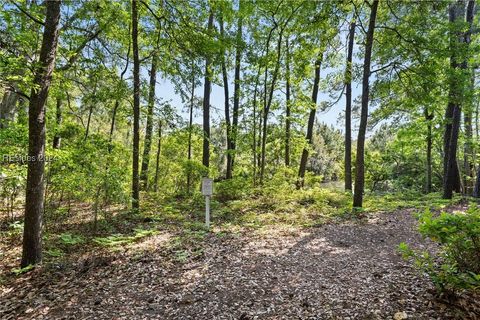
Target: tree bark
{"type": "Point", "coordinates": [236, 87]}
{"type": "Point", "coordinates": [429, 140]}
{"type": "Point", "coordinates": [348, 109]}
{"type": "Point", "coordinates": [157, 162]}
{"type": "Point", "coordinates": [254, 114]}
{"type": "Point", "coordinates": [468, 167]}
{"type": "Point", "coordinates": [311, 122]}
{"type": "Point", "coordinates": [136, 109]}
{"type": "Point", "coordinates": [58, 121]}
{"type": "Point", "coordinates": [228, 123]}
{"type": "Point", "coordinates": [190, 128]}
{"type": "Point", "coordinates": [288, 104]}
{"type": "Point", "coordinates": [468, 146]}
{"type": "Point", "coordinates": [149, 127]}
{"type": "Point", "coordinates": [360, 164]}
{"type": "Point", "coordinates": [89, 119]}
{"type": "Point", "coordinates": [268, 103]}
{"type": "Point", "coordinates": [112, 123]}
{"type": "Point", "coordinates": [452, 180]}
{"type": "Point", "coordinates": [206, 102]}
{"type": "Point", "coordinates": [32, 232]}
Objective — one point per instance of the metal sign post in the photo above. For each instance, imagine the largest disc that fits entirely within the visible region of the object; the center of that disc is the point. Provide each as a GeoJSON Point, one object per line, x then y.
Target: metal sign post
{"type": "Point", "coordinates": [207, 191]}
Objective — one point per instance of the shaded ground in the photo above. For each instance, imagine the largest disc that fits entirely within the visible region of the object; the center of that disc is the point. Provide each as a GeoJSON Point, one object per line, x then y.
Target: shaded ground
{"type": "Point", "coordinates": [336, 271]}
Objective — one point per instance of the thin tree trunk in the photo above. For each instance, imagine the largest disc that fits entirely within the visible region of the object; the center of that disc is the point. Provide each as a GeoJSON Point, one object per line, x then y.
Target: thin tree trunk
{"type": "Point", "coordinates": [360, 164]}
{"type": "Point", "coordinates": [311, 121]}
{"type": "Point", "coordinates": [476, 190]}
{"type": "Point", "coordinates": [268, 103]}
{"type": "Point", "coordinates": [348, 109]}
{"type": "Point", "coordinates": [112, 123]}
{"type": "Point", "coordinates": [288, 104]}
{"type": "Point", "coordinates": [136, 109]}
{"type": "Point", "coordinates": [429, 140]}
{"type": "Point", "coordinates": [206, 102]}
{"type": "Point", "coordinates": [90, 110]}
{"type": "Point", "coordinates": [236, 86]}
{"type": "Point", "coordinates": [89, 119]}
{"type": "Point", "coordinates": [159, 148]}
{"type": "Point", "coordinates": [32, 231]}
{"type": "Point", "coordinates": [228, 123]}
{"type": "Point", "coordinates": [149, 127]}
{"type": "Point", "coordinates": [254, 142]}
{"type": "Point", "coordinates": [468, 166]}
{"type": "Point", "coordinates": [468, 146]}
{"type": "Point", "coordinates": [477, 120]}
{"type": "Point", "coordinates": [190, 127]}
{"type": "Point", "coordinates": [58, 122]}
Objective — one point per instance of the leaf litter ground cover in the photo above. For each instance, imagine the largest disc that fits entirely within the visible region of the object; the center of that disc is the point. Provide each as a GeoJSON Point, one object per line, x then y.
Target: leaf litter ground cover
{"type": "Point", "coordinates": [348, 270]}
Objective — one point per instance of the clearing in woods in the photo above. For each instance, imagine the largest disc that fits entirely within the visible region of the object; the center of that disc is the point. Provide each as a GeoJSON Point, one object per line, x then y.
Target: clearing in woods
{"type": "Point", "coordinates": [348, 270]}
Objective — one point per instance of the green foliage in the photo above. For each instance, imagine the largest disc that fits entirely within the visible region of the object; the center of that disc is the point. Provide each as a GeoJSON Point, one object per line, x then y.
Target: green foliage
{"type": "Point", "coordinates": [120, 239]}
{"type": "Point", "coordinates": [232, 189]}
{"type": "Point", "coordinates": [70, 239]}
{"type": "Point", "coordinates": [389, 202]}
{"type": "Point", "coordinates": [84, 170]}
{"type": "Point", "coordinates": [286, 206]}
{"type": "Point", "coordinates": [15, 228]}
{"type": "Point", "coordinates": [55, 253]}
{"type": "Point", "coordinates": [457, 265]}
{"type": "Point", "coordinates": [19, 271]}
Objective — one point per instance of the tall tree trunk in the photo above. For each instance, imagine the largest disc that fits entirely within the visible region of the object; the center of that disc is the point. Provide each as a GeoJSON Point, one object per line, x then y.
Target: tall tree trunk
{"type": "Point", "coordinates": [468, 146]}
{"type": "Point", "coordinates": [268, 103]}
{"type": "Point", "coordinates": [236, 86]}
{"type": "Point", "coordinates": [157, 162]}
{"type": "Point", "coordinates": [360, 164]}
{"type": "Point", "coordinates": [32, 231]}
{"type": "Point", "coordinates": [58, 121]}
{"type": "Point", "coordinates": [206, 102]}
{"type": "Point", "coordinates": [468, 166]}
{"type": "Point", "coordinates": [136, 109]}
{"type": "Point", "coordinates": [190, 128]}
{"type": "Point", "coordinates": [348, 109]}
{"type": "Point", "coordinates": [228, 123]}
{"type": "Point", "coordinates": [476, 190]}
{"type": "Point", "coordinates": [311, 122]}
{"type": "Point", "coordinates": [429, 140]}
{"type": "Point", "coordinates": [288, 104]}
{"type": "Point", "coordinates": [456, 97]}
{"type": "Point", "coordinates": [254, 113]}
{"type": "Point", "coordinates": [149, 127]}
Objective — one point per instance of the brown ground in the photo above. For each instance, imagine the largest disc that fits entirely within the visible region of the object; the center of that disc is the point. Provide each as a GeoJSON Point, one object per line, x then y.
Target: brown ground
{"type": "Point", "coordinates": [337, 271]}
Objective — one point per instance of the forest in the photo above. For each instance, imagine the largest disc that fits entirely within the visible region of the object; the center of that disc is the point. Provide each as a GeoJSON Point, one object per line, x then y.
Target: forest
{"type": "Point", "coordinates": [239, 159]}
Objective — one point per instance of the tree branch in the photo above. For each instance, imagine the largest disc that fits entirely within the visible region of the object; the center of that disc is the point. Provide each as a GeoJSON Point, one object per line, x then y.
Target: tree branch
{"type": "Point", "coordinates": [26, 13]}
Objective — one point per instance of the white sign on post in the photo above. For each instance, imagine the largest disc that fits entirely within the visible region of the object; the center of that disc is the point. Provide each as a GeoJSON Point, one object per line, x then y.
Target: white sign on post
{"type": "Point", "coordinates": [207, 191]}
{"type": "Point", "coordinates": [207, 186]}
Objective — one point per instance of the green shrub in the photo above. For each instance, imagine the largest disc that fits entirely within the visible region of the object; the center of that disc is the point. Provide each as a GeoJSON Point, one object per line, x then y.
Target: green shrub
{"type": "Point", "coordinates": [231, 189]}
{"type": "Point", "coordinates": [457, 264]}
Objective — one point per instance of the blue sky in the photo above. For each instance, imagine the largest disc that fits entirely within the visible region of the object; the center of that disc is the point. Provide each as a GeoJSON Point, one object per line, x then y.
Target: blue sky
{"type": "Point", "coordinates": [165, 90]}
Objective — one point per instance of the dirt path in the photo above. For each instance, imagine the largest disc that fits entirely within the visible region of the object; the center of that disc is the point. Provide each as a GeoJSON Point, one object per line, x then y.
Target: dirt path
{"type": "Point", "coordinates": [346, 271]}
